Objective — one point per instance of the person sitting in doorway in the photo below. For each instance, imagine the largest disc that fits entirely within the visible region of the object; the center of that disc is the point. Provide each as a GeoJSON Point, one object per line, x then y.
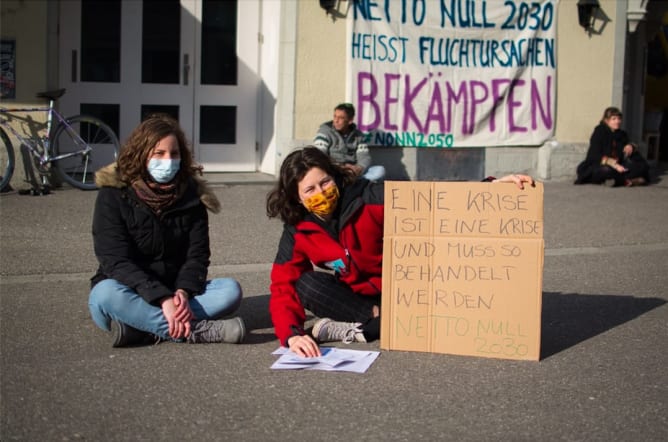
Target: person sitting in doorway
{"type": "Point", "coordinates": [344, 143]}
{"type": "Point", "coordinates": [611, 157]}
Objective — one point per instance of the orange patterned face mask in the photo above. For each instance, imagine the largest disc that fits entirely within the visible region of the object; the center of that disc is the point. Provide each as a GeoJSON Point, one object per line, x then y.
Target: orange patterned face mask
{"type": "Point", "coordinates": [323, 203]}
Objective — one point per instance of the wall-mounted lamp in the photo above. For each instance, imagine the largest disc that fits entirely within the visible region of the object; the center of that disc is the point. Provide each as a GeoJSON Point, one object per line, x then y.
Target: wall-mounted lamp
{"type": "Point", "coordinates": [332, 7]}
{"type": "Point", "coordinates": [587, 13]}
{"type": "Point", "coordinates": [327, 5]}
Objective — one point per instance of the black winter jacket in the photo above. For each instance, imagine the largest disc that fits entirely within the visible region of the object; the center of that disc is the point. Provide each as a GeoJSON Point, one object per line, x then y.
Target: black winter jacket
{"type": "Point", "coordinates": [605, 142]}
{"type": "Point", "coordinates": [153, 255]}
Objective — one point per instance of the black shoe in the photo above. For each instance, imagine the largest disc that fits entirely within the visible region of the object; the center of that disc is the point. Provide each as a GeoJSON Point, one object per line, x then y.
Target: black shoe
{"type": "Point", "coordinates": [126, 336]}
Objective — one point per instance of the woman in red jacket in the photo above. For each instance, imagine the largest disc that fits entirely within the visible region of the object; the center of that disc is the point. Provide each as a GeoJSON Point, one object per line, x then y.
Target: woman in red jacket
{"type": "Point", "coordinates": [333, 221]}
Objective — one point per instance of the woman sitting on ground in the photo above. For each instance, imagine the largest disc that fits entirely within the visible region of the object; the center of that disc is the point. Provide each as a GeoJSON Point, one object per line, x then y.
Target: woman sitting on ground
{"type": "Point", "coordinates": [334, 221]}
{"type": "Point", "coordinates": [151, 238]}
{"type": "Point", "coordinates": [611, 157]}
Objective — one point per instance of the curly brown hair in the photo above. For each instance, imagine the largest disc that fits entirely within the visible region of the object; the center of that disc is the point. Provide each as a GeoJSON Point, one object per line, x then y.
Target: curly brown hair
{"type": "Point", "coordinates": [131, 162]}
{"type": "Point", "coordinates": [283, 200]}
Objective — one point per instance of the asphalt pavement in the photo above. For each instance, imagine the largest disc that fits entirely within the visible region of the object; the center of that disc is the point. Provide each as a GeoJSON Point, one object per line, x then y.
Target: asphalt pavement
{"type": "Point", "coordinates": [602, 376]}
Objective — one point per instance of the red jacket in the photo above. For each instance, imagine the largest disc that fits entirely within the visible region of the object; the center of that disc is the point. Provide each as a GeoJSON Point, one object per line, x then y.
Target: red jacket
{"type": "Point", "coordinates": [354, 250]}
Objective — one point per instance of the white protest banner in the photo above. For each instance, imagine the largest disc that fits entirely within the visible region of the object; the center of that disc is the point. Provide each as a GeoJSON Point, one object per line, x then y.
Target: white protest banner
{"type": "Point", "coordinates": [453, 73]}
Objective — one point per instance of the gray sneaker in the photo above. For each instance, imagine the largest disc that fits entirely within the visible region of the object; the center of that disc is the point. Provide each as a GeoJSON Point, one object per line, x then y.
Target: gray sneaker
{"type": "Point", "coordinates": [327, 330]}
{"type": "Point", "coordinates": [231, 331]}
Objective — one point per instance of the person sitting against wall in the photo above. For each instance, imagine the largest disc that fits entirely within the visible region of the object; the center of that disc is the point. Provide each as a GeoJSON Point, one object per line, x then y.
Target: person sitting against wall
{"type": "Point", "coordinates": [344, 143]}
{"type": "Point", "coordinates": [611, 158]}
{"type": "Point", "coordinates": [151, 238]}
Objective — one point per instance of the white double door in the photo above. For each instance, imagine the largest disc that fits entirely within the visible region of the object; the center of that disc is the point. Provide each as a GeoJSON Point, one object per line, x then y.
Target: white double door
{"type": "Point", "coordinates": [188, 58]}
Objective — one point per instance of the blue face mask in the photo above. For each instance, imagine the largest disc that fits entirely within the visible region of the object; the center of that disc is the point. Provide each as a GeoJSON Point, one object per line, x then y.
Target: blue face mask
{"type": "Point", "coordinates": [163, 171]}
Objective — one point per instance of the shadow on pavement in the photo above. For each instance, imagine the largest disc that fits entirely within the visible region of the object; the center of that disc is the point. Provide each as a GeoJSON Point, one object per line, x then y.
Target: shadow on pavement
{"type": "Point", "coordinates": [568, 319]}
{"type": "Point", "coordinates": [255, 312]}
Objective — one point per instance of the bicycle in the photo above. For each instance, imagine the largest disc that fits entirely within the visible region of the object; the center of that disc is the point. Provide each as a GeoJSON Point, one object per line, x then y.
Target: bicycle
{"type": "Point", "coordinates": [77, 146]}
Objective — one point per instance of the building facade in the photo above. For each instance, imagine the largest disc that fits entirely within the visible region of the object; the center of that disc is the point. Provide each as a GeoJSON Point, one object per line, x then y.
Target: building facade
{"type": "Point", "coordinates": [249, 80]}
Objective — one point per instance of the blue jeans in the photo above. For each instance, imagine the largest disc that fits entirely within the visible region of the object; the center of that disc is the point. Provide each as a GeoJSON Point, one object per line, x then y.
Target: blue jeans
{"type": "Point", "coordinates": [374, 173]}
{"type": "Point", "coordinates": [110, 300]}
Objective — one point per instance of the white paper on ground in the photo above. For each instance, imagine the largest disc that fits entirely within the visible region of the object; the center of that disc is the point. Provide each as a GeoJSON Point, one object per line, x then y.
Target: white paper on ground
{"type": "Point", "coordinates": [332, 359]}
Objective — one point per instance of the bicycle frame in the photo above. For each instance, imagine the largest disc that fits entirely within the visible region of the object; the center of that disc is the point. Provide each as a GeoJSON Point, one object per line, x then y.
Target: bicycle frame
{"type": "Point", "coordinates": [45, 156]}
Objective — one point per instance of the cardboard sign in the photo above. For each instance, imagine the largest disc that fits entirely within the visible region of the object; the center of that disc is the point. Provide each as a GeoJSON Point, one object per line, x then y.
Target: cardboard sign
{"type": "Point", "coordinates": [463, 268]}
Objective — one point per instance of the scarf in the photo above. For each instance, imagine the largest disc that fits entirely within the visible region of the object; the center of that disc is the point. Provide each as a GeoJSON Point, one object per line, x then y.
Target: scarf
{"type": "Point", "coordinates": [157, 196]}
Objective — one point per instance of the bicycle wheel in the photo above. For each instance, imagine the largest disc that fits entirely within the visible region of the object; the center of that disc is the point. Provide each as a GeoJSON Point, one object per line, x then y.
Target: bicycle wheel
{"type": "Point", "coordinates": [89, 144]}
{"type": "Point", "coordinates": [6, 161]}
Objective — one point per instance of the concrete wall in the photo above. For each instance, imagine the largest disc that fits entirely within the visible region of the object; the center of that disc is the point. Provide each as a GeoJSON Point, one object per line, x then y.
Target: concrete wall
{"type": "Point", "coordinates": [586, 71]}
{"type": "Point", "coordinates": [321, 69]}
{"type": "Point", "coordinates": [25, 21]}
{"type": "Point", "coordinates": [589, 78]}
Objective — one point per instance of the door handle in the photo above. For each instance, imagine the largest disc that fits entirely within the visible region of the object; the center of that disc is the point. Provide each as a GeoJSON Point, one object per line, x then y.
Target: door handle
{"type": "Point", "coordinates": [186, 68]}
{"type": "Point", "coordinates": [74, 66]}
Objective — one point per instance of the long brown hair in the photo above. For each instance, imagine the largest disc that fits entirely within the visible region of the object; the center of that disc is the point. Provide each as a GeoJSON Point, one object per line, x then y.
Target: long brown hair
{"type": "Point", "coordinates": [283, 200]}
{"type": "Point", "coordinates": [131, 162]}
